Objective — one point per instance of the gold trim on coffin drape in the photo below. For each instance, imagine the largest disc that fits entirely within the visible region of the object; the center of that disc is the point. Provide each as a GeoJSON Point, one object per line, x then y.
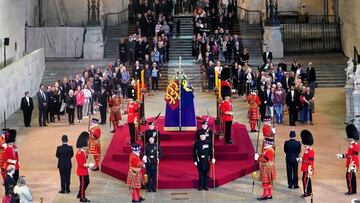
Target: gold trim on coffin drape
{"type": "Point", "coordinates": [192, 128]}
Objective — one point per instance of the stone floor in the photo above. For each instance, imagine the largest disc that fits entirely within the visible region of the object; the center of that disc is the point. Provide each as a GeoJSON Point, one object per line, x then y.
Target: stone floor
{"type": "Point", "coordinates": [38, 163]}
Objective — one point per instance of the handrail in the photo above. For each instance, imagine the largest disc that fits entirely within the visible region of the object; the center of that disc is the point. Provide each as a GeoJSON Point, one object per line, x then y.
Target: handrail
{"type": "Point", "coordinates": [122, 16]}
{"type": "Point", "coordinates": [308, 19]}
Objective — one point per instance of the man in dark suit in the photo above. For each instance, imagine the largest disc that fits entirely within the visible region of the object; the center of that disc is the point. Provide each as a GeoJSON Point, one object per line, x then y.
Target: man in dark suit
{"type": "Point", "coordinates": [262, 96]}
{"type": "Point", "coordinates": [292, 150]}
{"type": "Point", "coordinates": [103, 105]}
{"type": "Point", "coordinates": [42, 105]}
{"type": "Point", "coordinates": [64, 153]}
{"type": "Point", "coordinates": [292, 101]}
{"type": "Point", "coordinates": [267, 55]}
{"type": "Point", "coordinates": [27, 107]}
{"type": "Point", "coordinates": [9, 179]}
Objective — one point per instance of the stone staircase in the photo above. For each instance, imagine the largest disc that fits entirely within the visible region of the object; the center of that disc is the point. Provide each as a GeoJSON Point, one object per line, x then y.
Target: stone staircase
{"type": "Point", "coordinates": [113, 35]}
{"type": "Point", "coordinates": [330, 75]}
{"type": "Point", "coordinates": [250, 35]}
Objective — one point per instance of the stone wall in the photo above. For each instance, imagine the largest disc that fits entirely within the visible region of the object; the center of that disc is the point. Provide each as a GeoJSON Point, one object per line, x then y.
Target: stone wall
{"type": "Point", "coordinates": [75, 12]}
{"type": "Point", "coordinates": [18, 77]}
{"type": "Point", "coordinates": [13, 17]}
{"type": "Point", "coordinates": [350, 25]}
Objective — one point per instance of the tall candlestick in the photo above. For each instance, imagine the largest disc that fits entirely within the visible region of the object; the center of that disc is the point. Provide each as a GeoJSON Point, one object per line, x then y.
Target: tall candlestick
{"type": "Point", "coordinates": [219, 89]}
{"type": "Point", "coordinates": [216, 78]}
{"type": "Point", "coordinates": [143, 79]}
{"type": "Point", "coordinates": [138, 90]}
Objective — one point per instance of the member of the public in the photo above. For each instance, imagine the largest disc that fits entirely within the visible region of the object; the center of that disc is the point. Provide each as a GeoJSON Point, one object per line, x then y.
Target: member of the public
{"type": "Point", "coordinates": [133, 117]}
{"type": "Point", "coordinates": [9, 179]}
{"type": "Point", "coordinates": [202, 155]}
{"type": "Point", "coordinates": [204, 130]}
{"type": "Point", "coordinates": [135, 174]}
{"type": "Point", "coordinates": [42, 105]}
{"type": "Point", "coordinates": [82, 165]}
{"type": "Point", "coordinates": [292, 149]}
{"type": "Point", "coordinates": [352, 159]}
{"type": "Point", "coordinates": [153, 154]}
{"type": "Point", "coordinates": [115, 111]}
{"type": "Point", "coordinates": [307, 165]}
{"type": "Point", "coordinates": [94, 142]}
{"type": "Point", "coordinates": [103, 105]}
{"type": "Point", "coordinates": [253, 112]}
{"type": "Point", "coordinates": [64, 153]}
{"type": "Point", "coordinates": [227, 118]}
{"type": "Point", "coordinates": [27, 107]}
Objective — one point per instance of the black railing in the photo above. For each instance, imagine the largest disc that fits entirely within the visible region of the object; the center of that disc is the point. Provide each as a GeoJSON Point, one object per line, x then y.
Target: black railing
{"type": "Point", "coordinates": [294, 17]}
{"type": "Point", "coordinates": [116, 18]}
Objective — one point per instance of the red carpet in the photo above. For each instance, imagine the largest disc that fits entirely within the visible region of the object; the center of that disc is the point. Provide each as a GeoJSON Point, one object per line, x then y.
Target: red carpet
{"type": "Point", "coordinates": [177, 169]}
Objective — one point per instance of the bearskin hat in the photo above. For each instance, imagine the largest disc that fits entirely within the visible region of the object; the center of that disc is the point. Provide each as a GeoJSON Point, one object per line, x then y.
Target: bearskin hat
{"type": "Point", "coordinates": [10, 136]}
{"type": "Point", "coordinates": [83, 140]}
{"type": "Point", "coordinates": [225, 73]}
{"type": "Point", "coordinates": [352, 132]}
{"type": "Point", "coordinates": [306, 137]}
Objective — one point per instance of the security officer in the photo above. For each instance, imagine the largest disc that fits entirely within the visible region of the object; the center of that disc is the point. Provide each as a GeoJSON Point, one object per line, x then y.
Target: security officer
{"type": "Point", "coordinates": [153, 154]}
{"type": "Point", "coordinates": [204, 130]}
{"type": "Point", "coordinates": [292, 149]}
{"type": "Point", "coordinates": [202, 155]}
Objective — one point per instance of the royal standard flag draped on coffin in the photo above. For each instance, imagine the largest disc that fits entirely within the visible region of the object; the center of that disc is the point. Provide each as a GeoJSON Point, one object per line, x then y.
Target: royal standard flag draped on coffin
{"type": "Point", "coordinates": [179, 97]}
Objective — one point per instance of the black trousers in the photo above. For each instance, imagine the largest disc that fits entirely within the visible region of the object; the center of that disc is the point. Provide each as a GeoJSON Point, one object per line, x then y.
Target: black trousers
{"type": "Point", "coordinates": [203, 178]}
{"type": "Point", "coordinates": [79, 112]}
{"type": "Point", "coordinates": [292, 174]}
{"type": "Point", "coordinates": [351, 181]}
{"type": "Point", "coordinates": [103, 114]}
{"type": "Point", "coordinates": [42, 116]}
{"type": "Point", "coordinates": [228, 125]}
{"type": "Point", "coordinates": [84, 183]}
{"type": "Point", "coordinates": [65, 177]}
{"type": "Point", "coordinates": [151, 172]}
{"type": "Point", "coordinates": [154, 83]}
{"type": "Point", "coordinates": [132, 132]}
{"type": "Point", "coordinates": [71, 115]}
{"type": "Point", "coordinates": [306, 182]}
{"type": "Point", "coordinates": [16, 175]}
{"type": "Point", "coordinates": [27, 117]}
{"type": "Point", "coordinates": [292, 116]}
{"type": "Point", "coordinates": [262, 111]}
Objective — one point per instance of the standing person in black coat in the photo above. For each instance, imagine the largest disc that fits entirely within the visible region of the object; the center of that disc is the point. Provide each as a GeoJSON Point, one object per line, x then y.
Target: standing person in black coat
{"type": "Point", "coordinates": [64, 153]}
{"type": "Point", "coordinates": [292, 150]}
{"type": "Point", "coordinates": [267, 55]}
{"type": "Point", "coordinates": [122, 52]}
{"type": "Point", "coordinates": [262, 96]}
{"type": "Point", "coordinates": [311, 77]}
{"type": "Point", "coordinates": [42, 105]}
{"type": "Point", "coordinates": [292, 101]}
{"type": "Point", "coordinates": [70, 107]}
{"type": "Point", "coordinates": [103, 105]}
{"type": "Point", "coordinates": [27, 107]}
{"type": "Point", "coordinates": [9, 179]}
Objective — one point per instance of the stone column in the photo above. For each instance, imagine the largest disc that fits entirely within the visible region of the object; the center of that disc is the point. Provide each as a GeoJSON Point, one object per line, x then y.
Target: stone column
{"type": "Point", "coordinates": [349, 89]}
{"type": "Point", "coordinates": [273, 40]}
{"type": "Point", "coordinates": [94, 43]}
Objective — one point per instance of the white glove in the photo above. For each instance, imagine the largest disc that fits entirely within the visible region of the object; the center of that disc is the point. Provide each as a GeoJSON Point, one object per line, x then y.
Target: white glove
{"type": "Point", "coordinates": [298, 159]}
{"type": "Point", "coordinates": [91, 165]}
{"type": "Point", "coordinates": [12, 161]}
{"type": "Point", "coordinates": [195, 163]}
{"type": "Point", "coordinates": [265, 102]}
{"type": "Point", "coordinates": [256, 156]}
{"type": "Point", "coordinates": [144, 159]}
{"type": "Point", "coordinates": [213, 160]}
{"type": "Point", "coordinates": [340, 156]}
{"type": "Point", "coordinates": [273, 131]}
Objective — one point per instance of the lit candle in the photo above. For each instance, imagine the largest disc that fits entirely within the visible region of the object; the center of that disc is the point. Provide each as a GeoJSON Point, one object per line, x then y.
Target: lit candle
{"type": "Point", "coordinates": [143, 79]}
{"type": "Point", "coordinates": [219, 89]}
{"type": "Point", "coordinates": [138, 90]}
{"type": "Point", "coordinates": [216, 78]}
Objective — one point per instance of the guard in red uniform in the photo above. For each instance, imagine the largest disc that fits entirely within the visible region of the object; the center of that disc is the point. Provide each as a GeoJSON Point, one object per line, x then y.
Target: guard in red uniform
{"type": "Point", "coordinates": [9, 155]}
{"type": "Point", "coordinates": [133, 117]}
{"type": "Point", "coordinates": [227, 118]}
{"type": "Point", "coordinates": [267, 130]}
{"type": "Point", "coordinates": [135, 174]}
{"type": "Point", "coordinates": [82, 165]}
{"type": "Point", "coordinates": [352, 158]}
{"type": "Point", "coordinates": [2, 147]}
{"type": "Point", "coordinates": [307, 165]}
{"type": "Point", "coordinates": [267, 168]}
{"type": "Point", "coordinates": [115, 111]}
{"type": "Point", "coordinates": [253, 112]}
{"type": "Point", "coordinates": [94, 142]}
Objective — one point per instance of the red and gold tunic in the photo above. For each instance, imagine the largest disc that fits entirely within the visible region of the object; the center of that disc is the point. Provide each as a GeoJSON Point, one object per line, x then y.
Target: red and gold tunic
{"type": "Point", "coordinates": [133, 112]}
{"type": "Point", "coordinates": [352, 154]}
{"type": "Point", "coordinates": [2, 141]}
{"type": "Point", "coordinates": [81, 161]}
{"type": "Point", "coordinates": [267, 166]}
{"type": "Point", "coordinates": [226, 109]}
{"type": "Point", "coordinates": [94, 141]}
{"type": "Point", "coordinates": [135, 173]}
{"type": "Point", "coordinates": [307, 159]}
{"type": "Point", "coordinates": [254, 103]}
{"type": "Point", "coordinates": [115, 112]}
{"type": "Point", "coordinates": [9, 157]}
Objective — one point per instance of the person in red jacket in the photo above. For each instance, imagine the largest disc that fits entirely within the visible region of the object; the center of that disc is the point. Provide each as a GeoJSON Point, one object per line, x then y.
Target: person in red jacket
{"type": "Point", "coordinates": [82, 165]}
{"type": "Point", "coordinates": [267, 130]}
{"type": "Point", "coordinates": [10, 157]}
{"type": "Point", "coordinates": [94, 142]}
{"type": "Point", "coordinates": [227, 118]}
{"type": "Point", "coordinates": [352, 158]}
{"type": "Point", "coordinates": [2, 148]}
{"type": "Point", "coordinates": [307, 165]}
{"type": "Point", "coordinates": [253, 112]}
{"type": "Point", "coordinates": [133, 117]}
{"type": "Point", "coordinates": [135, 174]}
{"type": "Point", "coordinates": [267, 168]}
